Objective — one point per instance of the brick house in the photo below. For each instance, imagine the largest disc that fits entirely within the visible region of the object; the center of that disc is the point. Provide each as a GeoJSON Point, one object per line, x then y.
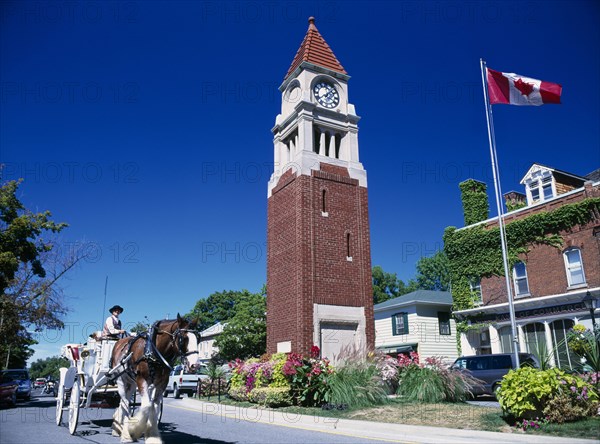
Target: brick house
{"type": "Point", "coordinates": [419, 321]}
{"type": "Point", "coordinates": [319, 289]}
{"type": "Point", "coordinates": [549, 281]}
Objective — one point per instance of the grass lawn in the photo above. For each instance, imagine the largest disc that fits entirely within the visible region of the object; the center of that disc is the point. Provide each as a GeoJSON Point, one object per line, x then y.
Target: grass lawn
{"type": "Point", "coordinates": [452, 415]}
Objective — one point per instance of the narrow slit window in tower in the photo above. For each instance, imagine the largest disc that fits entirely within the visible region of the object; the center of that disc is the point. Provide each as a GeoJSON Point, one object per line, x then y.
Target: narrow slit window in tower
{"type": "Point", "coordinates": [348, 252]}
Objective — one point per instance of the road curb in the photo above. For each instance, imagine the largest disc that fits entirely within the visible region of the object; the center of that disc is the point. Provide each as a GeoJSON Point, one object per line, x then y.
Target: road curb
{"type": "Point", "coordinates": [367, 429]}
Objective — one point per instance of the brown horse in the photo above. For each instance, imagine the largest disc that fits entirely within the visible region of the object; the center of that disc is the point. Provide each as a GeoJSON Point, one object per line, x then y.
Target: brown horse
{"type": "Point", "coordinates": [144, 362]}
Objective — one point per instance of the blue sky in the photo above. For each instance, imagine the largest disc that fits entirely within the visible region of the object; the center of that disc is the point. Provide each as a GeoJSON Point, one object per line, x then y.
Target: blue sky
{"type": "Point", "coordinates": [146, 127]}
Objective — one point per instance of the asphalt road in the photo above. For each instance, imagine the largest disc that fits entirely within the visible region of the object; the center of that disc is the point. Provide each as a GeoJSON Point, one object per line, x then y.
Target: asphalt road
{"type": "Point", "coordinates": [33, 422]}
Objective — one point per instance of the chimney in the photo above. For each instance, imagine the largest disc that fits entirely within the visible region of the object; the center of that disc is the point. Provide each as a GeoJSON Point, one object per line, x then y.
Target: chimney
{"type": "Point", "coordinates": [474, 200]}
{"type": "Point", "coordinates": [514, 200]}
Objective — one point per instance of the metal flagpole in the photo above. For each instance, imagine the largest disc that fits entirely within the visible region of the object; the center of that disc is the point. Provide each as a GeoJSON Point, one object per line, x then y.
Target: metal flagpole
{"type": "Point", "coordinates": [498, 190]}
{"type": "Point", "coordinates": [104, 305]}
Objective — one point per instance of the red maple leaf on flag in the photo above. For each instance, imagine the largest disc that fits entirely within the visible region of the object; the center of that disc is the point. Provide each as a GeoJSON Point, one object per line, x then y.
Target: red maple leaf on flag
{"type": "Point", "coordinates": [524, 87]}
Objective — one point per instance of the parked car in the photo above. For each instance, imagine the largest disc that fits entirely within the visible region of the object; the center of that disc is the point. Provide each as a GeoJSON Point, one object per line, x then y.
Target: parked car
{"type": "Point", "coordinates": [22, 377]}
{"type": "Point", "coordinates": [490, 369]}
{"type": "Point", "coordinates": [8, 389]}
{"type": "Point", "coordinates": [183, 381]}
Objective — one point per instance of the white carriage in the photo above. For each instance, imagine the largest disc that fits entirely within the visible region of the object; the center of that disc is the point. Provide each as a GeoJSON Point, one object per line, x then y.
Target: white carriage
{"type": "Point", "coordinates": [89, 381]}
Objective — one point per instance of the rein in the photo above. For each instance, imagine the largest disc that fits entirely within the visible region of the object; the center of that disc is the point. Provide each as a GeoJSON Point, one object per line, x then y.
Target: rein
{"type": "Point", "coordinates": [177, 337]}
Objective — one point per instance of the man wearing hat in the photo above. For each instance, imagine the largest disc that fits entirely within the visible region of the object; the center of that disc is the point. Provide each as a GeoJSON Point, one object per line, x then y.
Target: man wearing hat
{"type": "Point", "coordinates": [112, 326]}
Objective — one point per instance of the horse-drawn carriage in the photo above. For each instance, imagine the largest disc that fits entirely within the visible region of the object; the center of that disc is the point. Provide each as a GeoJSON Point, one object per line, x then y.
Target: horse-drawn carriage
{"type": "Point", "coordinates": [114, 373]}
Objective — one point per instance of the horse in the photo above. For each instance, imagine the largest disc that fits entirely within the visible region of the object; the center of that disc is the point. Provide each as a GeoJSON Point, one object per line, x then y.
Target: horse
{"type": "Point", "coordinates": [145, 361]}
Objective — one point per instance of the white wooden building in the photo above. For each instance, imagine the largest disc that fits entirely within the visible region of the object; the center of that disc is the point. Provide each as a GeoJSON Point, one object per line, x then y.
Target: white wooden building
{"type": "Point", "coordinates": [419, 321]}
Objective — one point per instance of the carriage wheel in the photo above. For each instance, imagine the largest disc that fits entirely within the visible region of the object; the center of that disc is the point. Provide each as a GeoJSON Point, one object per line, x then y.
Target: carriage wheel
{"type": "Point", "coordinates": [74, 406]}
{"type": "Point", "coordinates": [60, 403]}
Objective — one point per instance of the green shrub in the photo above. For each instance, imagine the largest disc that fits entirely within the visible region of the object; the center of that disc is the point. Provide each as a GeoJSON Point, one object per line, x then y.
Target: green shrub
{"type": "Point", "coordinates": [563, 408]}
{"type": "Point", "coordinates": [357, 384]}
{"type": "Point", "coordinates": [238, 393]}
{"type": "Point", "coordinates": [213, 388]}
{"type": "Point", "coordinates": [237, 380]}
{"type": "Point", "coordinates": [278, 379]}
{"type": "Point", "coordinates": [528, 392]}
{"type": "Point", "coordinates": [271, 396]}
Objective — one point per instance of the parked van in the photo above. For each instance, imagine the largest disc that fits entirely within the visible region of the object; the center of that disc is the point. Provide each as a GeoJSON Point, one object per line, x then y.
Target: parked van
{"type": "Point", "coordinates": [490, 369]}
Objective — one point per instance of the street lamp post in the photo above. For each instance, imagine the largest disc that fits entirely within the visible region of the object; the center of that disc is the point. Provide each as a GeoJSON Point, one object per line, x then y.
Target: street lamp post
{"type": "Point", "coordinates": [591, 303]}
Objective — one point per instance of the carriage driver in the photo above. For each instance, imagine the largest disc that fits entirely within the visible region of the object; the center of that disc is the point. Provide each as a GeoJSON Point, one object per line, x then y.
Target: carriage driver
{"type": "Point", "coordinates": [112, 325]}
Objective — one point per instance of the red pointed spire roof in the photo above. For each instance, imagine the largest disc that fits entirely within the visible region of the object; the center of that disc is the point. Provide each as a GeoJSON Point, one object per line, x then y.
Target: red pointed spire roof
{"type": "Point", "coordinates": [314, 49]}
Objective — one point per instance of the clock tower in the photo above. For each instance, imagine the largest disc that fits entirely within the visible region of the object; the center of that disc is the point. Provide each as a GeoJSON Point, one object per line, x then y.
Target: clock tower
{"type": "Point", "coordinates": [319, 289]}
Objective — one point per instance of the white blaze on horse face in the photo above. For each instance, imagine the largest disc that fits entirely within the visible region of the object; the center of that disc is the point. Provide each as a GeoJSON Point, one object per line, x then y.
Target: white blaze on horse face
{"type": "Point", "coordinates": [192, 348]}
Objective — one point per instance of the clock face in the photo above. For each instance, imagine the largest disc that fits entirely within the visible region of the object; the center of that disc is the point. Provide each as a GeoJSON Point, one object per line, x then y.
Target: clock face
{"type": "Point", "coordinates": [326, 94]}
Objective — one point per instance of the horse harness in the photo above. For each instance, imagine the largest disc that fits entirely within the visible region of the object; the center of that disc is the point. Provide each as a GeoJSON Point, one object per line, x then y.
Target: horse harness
{"type": "Point", "coordinates": [152, 355]}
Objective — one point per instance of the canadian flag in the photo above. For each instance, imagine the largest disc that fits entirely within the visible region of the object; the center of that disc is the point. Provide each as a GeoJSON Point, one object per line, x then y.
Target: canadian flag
{"type": "Point", "coordinates": [513, 89]}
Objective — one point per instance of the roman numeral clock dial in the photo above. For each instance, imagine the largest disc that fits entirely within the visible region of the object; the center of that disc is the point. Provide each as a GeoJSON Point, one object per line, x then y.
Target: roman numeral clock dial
{"type": "Point", "coordinates": [326, 95]}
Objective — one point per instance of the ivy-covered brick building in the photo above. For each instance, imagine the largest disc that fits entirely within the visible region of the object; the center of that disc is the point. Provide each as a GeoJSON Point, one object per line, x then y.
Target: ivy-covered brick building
{"type": "Point", "coordinates": [553, 237]}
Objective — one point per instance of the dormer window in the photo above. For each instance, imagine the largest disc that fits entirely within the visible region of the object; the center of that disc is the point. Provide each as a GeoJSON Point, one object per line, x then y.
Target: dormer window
{"type": "Point", "coordinates": [547, 187]}
{"type": "Point", "coordinates": [540, 187]}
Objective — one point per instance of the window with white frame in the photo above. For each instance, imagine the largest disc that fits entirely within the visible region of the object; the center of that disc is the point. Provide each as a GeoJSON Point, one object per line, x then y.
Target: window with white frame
{"type": "Point", "coordinates": [540, 187]}
{"type": "Point", "coordinates": [535, 339]}
{"type": "Point", "coordinates": [444, 322]}
{"type": "Point", "coordinates": [547, 190]}
{"type": "Point", "coordinates": [506, 339]}
{"type": "Point", "coordinates": [574, 267]}
{"type": "Point", "coordinates": [520, 279]}
{"type": "Point", "coordinates": [534, 191]}
{"type": "Point", "coordinates": [563, 355]}
{"type": "Point", "coordinates": [475, 284]}
{"type": "Point", "coordinates": [400, 324]}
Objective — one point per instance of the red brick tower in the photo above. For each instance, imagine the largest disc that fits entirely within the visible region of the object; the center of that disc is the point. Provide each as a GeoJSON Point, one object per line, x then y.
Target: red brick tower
{"type": "Point", "coordinates": [319, 288]}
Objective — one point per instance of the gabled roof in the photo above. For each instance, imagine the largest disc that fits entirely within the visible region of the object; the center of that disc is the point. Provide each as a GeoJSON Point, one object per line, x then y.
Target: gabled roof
{"type": "Point", "coordinates": [417, 297]}
{"type": "Point", "coordinates": [594, 176]}
{"type": "Point", "coordinates": [537, 166]}
{"type": "Point", "coordinates": [215, 329]}
{"type": "Point", "coordinates": [314, 49]}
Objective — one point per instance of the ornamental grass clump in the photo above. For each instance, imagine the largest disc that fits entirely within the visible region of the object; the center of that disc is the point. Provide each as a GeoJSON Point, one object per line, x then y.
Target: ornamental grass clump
{"type": "Point", "coordinates": [358, 381]}
{"type": "Point", "coordinates": [432, 381]}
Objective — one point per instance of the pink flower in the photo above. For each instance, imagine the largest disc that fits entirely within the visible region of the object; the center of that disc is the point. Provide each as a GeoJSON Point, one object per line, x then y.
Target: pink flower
{"type": "Point", "coordinates": [289, 368]}
{"type": "Point", "coordinates": [315, 352]}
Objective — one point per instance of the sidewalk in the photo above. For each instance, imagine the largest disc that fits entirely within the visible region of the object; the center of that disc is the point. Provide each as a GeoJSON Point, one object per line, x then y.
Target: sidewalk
{"type": "Point", "coordinates": [367, 429]}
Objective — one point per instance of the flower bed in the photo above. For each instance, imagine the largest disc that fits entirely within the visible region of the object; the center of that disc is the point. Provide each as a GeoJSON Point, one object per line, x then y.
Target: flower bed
{"type": "Point", "coordinates": [282, 379]}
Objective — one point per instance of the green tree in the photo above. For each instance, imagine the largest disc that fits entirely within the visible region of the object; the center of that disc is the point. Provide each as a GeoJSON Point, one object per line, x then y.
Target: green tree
{"type": "Point", "coordinates": [49, 366]}
{"type": "Point", "coordinates": [29, 271]}
{"type": "Point", "coordinates": [218, 307]}
{"type": "Point", "coordinates": [433, 272]}
{"type": "Point", "coordinates": [245, 334]}
{"type": "Point", "coordinates": [388, 286]}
